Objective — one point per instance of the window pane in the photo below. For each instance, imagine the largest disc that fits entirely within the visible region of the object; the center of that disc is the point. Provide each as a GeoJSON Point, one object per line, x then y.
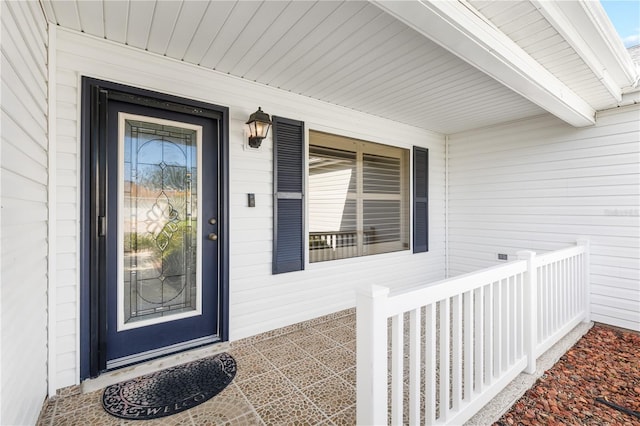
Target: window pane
{"type": "Point", "coordinates": [358, 198]}
{"type": "Point", "coordinates": [160, 205]}
{"type": "Point", "coordinates": [381, 174]}
{"type": "Point", "coordinates": [332, 206]}
{"type": "Point", "coordinates": [381, 220]}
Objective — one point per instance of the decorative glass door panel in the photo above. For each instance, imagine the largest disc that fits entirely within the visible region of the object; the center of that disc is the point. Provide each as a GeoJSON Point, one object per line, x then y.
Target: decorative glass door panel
{"type": "Point", "coordinates": [159, 275]}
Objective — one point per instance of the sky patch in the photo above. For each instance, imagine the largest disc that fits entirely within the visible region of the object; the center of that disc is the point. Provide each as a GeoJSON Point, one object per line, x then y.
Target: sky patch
{"type": "Point", "coordinates": [625, 16]}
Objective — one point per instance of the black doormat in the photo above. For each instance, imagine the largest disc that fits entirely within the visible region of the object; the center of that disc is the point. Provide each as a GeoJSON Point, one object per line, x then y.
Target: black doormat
{"type": "Point", "coordinates": [169, 391]}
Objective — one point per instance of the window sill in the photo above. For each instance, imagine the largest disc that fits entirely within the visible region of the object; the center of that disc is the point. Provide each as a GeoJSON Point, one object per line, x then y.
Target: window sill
{"type": "Point", "coordinates": [328, 264]}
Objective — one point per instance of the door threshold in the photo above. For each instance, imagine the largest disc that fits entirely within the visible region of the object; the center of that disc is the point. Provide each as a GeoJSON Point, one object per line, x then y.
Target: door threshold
{"type": "Point", "coordinates": [127, 373]}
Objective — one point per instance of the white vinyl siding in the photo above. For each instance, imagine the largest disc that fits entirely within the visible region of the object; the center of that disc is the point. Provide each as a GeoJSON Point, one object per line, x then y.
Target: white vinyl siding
{"type": "Point", "coordinates": [23, 226]}
{"type": "Point", "coordinates": [540, 184]}
{"type": "Point", "coordinates": [259, 300]}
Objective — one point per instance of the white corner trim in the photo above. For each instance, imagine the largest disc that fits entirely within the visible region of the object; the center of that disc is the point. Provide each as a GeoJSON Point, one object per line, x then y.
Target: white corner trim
{"type": "Point", "coordinates": [456, 28]}
{"type": "Point", "coordinates": [567, 29]}
{"type": "Point", "coordinates": [51, 207]}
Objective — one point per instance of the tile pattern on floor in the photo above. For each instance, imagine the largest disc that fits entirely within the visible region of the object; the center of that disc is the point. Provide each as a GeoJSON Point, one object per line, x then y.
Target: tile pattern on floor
{"type": "Point", "coordinates": [305, 377]}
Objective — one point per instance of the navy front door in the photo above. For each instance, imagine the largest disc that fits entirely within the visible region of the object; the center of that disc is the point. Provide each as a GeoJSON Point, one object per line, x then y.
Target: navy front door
{"type": "Point", "coordinates": [155, 211]}
{"type": "Point", "coordinates": [161, 231]}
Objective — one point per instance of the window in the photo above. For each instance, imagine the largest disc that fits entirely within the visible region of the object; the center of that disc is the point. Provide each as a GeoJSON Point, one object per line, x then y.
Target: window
{"type": "Point", "coordinates": [358, 198]}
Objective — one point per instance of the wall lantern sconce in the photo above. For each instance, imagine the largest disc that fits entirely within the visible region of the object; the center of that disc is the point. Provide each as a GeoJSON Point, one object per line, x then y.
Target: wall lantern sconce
{"type": "Point", "coordinates": [259, 123]}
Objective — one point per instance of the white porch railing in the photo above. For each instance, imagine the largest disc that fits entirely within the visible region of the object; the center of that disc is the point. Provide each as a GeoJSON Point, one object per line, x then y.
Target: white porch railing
{"type": "Point", "coordinates": [438, 354]}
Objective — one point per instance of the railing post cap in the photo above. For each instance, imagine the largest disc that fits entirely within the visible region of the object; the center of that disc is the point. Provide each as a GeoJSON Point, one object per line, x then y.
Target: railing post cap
{"type": "Point", "coordinates": [373, 290]}
{"type": "Point", "coordinates": [525, 254]}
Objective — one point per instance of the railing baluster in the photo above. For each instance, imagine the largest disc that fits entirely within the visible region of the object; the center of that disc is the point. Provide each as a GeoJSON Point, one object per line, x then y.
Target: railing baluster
{"type": "Point", "coordinates": [512, 338]}
{"type": "Point", "coordinates": [505, 323]}
{"type": "Point", "coordinates": [578, 262]}
{"type": "Point", "coordinates": [467, 330]}
{"type": "Point", "coordinates": [540, 302]}
{"type": "Point", "coordinates": [479, 340]}
{"type": "Point", "coordinates": [521, 323]}
{"type": "Point", "coordinates": [547, 306]}
{"type": "Point", "coordinates": [445, 374]}
{"type": "Point", "coordinates": [556, 298]}
{"type": "Point", "coordinates": [488, 335]}
{"type": "Point", "coordinates": [497, 338]}
{"type": "Point", "coordinates": [561, 288]}
{"type": "Point", "coordinates": [574, 296]}
{"type": "Point", "coordinates": [565, 292]}
{"type": "Point", "coordinates": [430, 364]}
{"type": "Point", "coordinates": [414, 367]}
{"type": "Point", "coordinates": [397, 368]}
{"type": "Point", "coordinates": [456, 349]}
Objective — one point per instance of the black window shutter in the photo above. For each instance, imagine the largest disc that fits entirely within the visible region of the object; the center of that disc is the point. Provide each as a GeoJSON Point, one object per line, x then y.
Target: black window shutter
{"type": "Point", "coordinates": [420, 199]}
{"type": "Point", "coordinates": [288, 195]}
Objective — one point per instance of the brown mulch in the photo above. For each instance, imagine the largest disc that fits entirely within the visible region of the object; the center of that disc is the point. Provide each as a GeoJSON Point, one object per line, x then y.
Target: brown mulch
{"type": "Point", "coordinates": [605, 363]}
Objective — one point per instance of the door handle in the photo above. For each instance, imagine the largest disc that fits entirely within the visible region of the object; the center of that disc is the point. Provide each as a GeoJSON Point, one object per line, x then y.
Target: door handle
{"type": "Point", "coordinates": [213, 236]}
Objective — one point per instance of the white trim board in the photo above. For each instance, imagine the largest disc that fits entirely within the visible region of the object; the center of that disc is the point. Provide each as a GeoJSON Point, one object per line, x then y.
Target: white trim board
{"type": "Point", "coordinates": [456, 28]}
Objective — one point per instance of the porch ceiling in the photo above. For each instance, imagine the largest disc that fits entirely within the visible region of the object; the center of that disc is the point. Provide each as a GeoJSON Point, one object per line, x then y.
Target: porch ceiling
{"type": "Point", "coordinates": [352, 54]}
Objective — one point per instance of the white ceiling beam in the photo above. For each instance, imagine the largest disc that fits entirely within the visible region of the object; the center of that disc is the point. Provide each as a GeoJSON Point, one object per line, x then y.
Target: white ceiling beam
{"type": "Point", "coordinates": [566, 28]}
{"type": "Point", "coordinates": [600, 34]}
{"type": "Point", "coordinates": [458, 29]}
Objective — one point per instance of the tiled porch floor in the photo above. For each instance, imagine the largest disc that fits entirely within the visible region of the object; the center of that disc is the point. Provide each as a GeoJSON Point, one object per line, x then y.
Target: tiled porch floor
{"type": "Point", "coordinates": [305, 377]}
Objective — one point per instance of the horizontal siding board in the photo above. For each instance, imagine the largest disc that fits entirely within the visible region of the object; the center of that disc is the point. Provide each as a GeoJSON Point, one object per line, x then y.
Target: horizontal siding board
{"type": "Point", "coordinates": [612, 320]}
{"type": "Point", "coordinates": [555, 136]}
{"type": "Point", "coordinates": [39, 25]}
{"type": "Point", "coordinates": [32, 73]}
{"type": "Point", "coordinates": [24, 152]}
{"type": "Point", "coordinates": [614, 293]}
{"type": "Point", "coordinates": [539, 184]}
{"type": "Point", "coordinates": [578, 158]}
{"type": "Point", "coordinates": [64, 328]}
{"type": "Point", "coordinates": [29, 31]}
{"type": "Point", "coordinates": [24, 228]}
{"type": "Point", "coordinates": [66, 94]}
{"type": "Point", "coordinates": [576, 177]}
{"type": "Point", "coordinates": [608, 201]}
{"type": "Point", "coordinates": [25, 31]}
{"type": "Point", "coordinates": [26, 112]}
{"type": "Point", "coordinates": [543, 220]}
